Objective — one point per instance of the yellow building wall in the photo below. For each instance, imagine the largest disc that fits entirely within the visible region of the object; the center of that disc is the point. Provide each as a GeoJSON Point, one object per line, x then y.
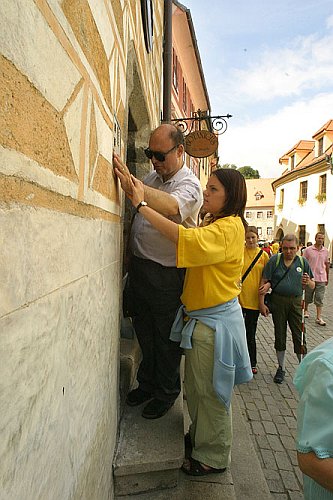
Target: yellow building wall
{"type": "Point", "coordinates": [66, 84]}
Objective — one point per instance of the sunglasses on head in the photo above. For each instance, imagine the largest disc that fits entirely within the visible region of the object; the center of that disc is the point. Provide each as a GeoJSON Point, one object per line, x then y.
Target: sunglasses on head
{"type": "Point", "coordinates": [157, 154]}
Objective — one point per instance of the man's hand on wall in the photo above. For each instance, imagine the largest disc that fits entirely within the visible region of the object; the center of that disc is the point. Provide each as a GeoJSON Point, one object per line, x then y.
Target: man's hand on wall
{"type": "Point", "coordinates": [123, 174]}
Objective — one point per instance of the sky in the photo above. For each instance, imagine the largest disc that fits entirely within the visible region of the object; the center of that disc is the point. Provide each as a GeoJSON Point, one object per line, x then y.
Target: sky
{"type": "Point", "coordinates": [268, 63]}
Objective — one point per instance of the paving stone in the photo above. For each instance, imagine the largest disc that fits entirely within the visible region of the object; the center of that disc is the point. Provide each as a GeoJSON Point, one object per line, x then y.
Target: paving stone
{"type": "Point", "coordinates": [258, 429]}
{"type": "Point", "coordinates": [288, 442]}
{"type": "Point", "coordinates": [292, 403]}
{"type": "Point", "coordinates": [293, 456]}
{"type": "Point", "coordinates": [295, 495]}
{"type": "Point", "coordinates": [271, 474]}
{"type": "Point", "coordinates": [260, 404]}
{"type": "Point", "coordinates": [283, 429]}
{"type": "Point", "coordinates": [275, 486]}
{"type": "Point", "coordinates": [275, 442]}
{"type": "Point", "coordinates": [268, 459]}
{"type": "Point", "coordinates": [253, 415]}
{"type": "Point", "coordinates": [286, 412]}
{"type": "Point", "coordinates": [278, 419]}
{"type": "Point", "coordinates": [283, 461]}
{"type": "Point", "coordinates": [289, 480]}
{"type": "Point", "coordinates": [262, 442]}
{"type": "Point", "coordinates": [269, 427]}
{"type": "Point", "coordinates": [265, 415]}
{"type": "Point", "coordinates": [280, 496]}
{"type": "Point", "coordinates": [291, 422]}
{"type": "Point", "coordinates": [299, 475]}
{"type": "Point", "coordinates": [250, 406]}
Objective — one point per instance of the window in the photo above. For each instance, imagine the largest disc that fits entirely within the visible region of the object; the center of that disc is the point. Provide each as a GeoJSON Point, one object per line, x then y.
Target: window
{"type": "Point", "coordinates": [259, 231]}
{"type": "Point", "coordinates": [269, 231]}
{"type": "Point", "coordinates": [320, 146]}
{"type": "Point", "coordinates": [301, 234]}
{"type": "Point", "coordinates": [260, 215]}
{"type": "Point", "coordinates": [248, 215]}
{"type": "Point", "coordinates": [303, 190]}
{"type": "Point", "coordinates": [175, 71]}
{"type": "Point", "coordinates": [184, 96]}
{"type": "Point", "coordinates": [321, 228]}
{"type": "Point", "coordinates": [292, 162]}
{"type": "Point", "coordinates": [269, 214]}
{"type": "Point", "coordinates": [281, 198]}
{"type": "Point", "coordinates": [259, 195]}
{"type": "Point", "coordinates": [322, 184]}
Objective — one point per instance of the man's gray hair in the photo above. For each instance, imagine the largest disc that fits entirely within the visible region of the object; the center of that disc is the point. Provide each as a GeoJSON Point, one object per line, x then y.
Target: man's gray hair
{"type": "Point", "coordinates": [290, 237]}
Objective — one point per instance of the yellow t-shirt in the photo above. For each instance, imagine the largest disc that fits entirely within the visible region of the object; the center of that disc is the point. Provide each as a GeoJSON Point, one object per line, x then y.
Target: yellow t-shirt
{"type": "Point", "coordinates": [213, 256]}
{"type": "Point", "coordinates": [275, 247]}
{"type": "Point", "coordinates": [248, 297]}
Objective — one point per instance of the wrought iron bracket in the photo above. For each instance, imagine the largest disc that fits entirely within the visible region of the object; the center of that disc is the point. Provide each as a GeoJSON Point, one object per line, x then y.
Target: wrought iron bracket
{"type": "Point", "coordinates": [216, 124]}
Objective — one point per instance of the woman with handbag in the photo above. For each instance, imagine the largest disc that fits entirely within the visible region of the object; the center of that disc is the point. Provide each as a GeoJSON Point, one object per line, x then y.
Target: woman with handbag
{"type": "Point", "coordinates": [210, 323]}
{"type": "Point", "coordinates": [255, 260]}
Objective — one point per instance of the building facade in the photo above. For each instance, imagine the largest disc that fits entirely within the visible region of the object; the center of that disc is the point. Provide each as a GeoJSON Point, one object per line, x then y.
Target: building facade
{"type": "Point", "coordinates": [189, 92]}
{"type": "Point", "coordinates": [259, 211]}
{"type": "Point", "coordinates": [303, 193]}
{"type": "Point", "coordinates": [78, 80]}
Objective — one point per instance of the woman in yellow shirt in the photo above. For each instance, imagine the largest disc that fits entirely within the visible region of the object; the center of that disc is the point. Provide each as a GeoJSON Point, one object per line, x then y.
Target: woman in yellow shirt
{"type": "Point", "coordinates": [248, 297]}
{"type": "Point", "coordinates": [211, 326]}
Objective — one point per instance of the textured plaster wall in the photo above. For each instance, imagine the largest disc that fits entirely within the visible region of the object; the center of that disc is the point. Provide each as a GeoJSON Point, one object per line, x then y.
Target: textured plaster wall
{"type": "Point", "coordinates": [311, 213]}
{"type": "Point", "coordinates": [63, 94]}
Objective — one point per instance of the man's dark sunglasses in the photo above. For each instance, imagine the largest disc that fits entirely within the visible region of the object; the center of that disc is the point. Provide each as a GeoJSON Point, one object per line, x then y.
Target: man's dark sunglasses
{"type": "Point", "coordinates": [158, 155]}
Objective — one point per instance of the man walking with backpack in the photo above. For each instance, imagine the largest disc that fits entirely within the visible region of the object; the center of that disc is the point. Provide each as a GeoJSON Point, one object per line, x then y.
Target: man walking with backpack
{"type": "Point", "coordinates": [286, 274]}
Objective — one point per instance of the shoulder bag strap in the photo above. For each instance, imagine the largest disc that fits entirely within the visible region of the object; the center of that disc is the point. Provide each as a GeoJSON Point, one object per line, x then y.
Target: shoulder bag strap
{"type": "Point", "coordinates": [284, 274]}
{"type": "Point", "coordinates": [257, 257]}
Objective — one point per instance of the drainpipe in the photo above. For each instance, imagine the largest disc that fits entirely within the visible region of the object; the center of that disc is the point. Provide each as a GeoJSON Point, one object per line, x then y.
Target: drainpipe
{"type": "Point", "coordinates": [167, 61]}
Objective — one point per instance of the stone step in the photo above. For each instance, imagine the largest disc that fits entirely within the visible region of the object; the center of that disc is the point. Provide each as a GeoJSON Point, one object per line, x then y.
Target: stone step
{"type": "Point", "coordinates": [149, 452]}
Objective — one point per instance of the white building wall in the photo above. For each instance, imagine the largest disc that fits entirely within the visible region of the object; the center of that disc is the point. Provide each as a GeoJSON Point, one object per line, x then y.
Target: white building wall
{"type": "Point", "coordinates": [311, 213]}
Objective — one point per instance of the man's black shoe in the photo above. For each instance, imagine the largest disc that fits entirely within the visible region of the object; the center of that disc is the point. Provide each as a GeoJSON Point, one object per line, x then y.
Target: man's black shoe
{"type": "Point", "coordinates": [279, 376]}
{"type": "Point", "coordinates": [137, 397]}
{"type": "Point", "coordinates": [156, 408]}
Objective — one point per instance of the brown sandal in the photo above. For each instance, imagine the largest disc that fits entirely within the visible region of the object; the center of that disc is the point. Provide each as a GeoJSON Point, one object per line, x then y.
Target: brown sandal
{"type": "Point", "coordinates": [197, 469]}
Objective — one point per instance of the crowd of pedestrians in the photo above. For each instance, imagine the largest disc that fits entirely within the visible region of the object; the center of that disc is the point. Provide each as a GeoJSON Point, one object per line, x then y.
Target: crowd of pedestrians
{"type": "Point", "coordinates": [199, 289]}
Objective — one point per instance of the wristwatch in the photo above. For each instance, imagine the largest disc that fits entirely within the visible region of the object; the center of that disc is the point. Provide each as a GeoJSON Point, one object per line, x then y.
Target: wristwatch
{"type": "Point", "coordinates": [141, 204]}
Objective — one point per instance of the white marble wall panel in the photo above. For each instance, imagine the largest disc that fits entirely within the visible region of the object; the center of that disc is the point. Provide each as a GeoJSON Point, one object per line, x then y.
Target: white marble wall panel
{"type": "Point", "coordinates": [23, 30]}
{"type": "Point", "coordinates": [17, 164]}
{"type": "Point", "coordinates": [47, 250]}
{"type": "Point", "coordinates": [73, 123]}
{"type": "Point", "coordinates": [104, 136]}
{"type": "Point", "coordinates": [58, 392]}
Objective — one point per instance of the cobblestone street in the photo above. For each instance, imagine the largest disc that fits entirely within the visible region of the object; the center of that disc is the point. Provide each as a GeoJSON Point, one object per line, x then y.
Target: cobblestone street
{"type": "Point", "coordinates": [270, 409]}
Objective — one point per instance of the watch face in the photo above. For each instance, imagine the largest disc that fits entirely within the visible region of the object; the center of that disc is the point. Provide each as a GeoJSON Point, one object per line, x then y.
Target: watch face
{"type": "Point", "coordinates": [147, 22]}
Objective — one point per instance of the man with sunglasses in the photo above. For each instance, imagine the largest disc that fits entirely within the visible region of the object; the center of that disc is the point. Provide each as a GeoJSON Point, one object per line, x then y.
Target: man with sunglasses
{"type": "Point", "coordinates": [156, 283]}
{"type": "Point", "coordinates": [286, 274]}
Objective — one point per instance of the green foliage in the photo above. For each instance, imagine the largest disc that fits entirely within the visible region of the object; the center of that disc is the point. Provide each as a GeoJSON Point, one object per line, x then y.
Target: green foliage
{"type": "Point", "coordinates": [249, 172]}
{"type": "Point", "coordinates": [321, 197]}
{"type": "Point", "coordinates": [229, 165]}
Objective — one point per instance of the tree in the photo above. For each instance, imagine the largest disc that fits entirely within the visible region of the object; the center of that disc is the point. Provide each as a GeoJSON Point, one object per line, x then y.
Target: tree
{"type": "Point", "coordinates": [229, 165]}
{"type": "Point", "coordinates": [249, 172]}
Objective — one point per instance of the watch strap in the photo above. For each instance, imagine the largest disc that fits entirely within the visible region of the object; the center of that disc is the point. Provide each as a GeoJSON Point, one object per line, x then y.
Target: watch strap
{"type": "Point", "coordinates": [141, 204]}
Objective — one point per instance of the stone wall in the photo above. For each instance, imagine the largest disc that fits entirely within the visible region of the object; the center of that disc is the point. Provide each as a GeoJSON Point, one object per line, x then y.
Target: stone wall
{"type": "Point", "coordinates": [65, 103]}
